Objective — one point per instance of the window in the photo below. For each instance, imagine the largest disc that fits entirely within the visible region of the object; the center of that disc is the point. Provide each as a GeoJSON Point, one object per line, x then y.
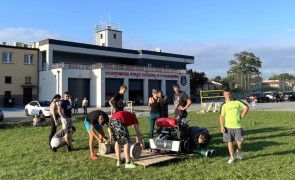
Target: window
{"type": "Point", "coordinates": [28, 80]}
{"type": "Point", "coordinates": [28, 59]}
{"type": "Point", "coordinates": [115, 36]}
{"type": "Point", "coordinates": [101, 36]}
{"type": "Point", "coordinates": [7, 79]}
{"type": "Point", "coordinates": [7, 94]}
{"type": "Point", "coordinates": [167, 66]}
{"type": "Point", "coordinates": [150, 65]}
{"type": "Point", "coordinates": [6, 57]}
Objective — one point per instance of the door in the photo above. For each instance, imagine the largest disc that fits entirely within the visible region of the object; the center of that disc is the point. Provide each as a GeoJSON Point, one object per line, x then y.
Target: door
{"type": "Point", "coordinates": [27, 95]}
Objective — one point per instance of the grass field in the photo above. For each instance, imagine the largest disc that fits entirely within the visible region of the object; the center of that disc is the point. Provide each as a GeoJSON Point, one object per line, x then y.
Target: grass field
{"type": "Point", "coordinates": [268, 153]}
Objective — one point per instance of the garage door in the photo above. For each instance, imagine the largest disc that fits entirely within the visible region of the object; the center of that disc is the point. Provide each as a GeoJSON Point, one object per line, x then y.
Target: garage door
{"type": "Point", "coordinates": [154, 84]}
{"type": "Point", "coordinates": [79, 88]}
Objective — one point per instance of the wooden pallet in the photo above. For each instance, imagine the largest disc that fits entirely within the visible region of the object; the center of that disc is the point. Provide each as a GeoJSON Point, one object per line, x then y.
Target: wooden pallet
{"type": "Point", "coordinates": [148, 159]}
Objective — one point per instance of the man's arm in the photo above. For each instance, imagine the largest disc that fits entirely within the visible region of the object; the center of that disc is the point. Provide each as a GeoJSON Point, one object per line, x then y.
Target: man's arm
{"type": "Point", "coordinates": [244, 112]}
{"type": "Point", "coordinates": [136, 126]}
{"type": "Point", "coordinates": [52, 110]}
{"type": "Point", "coordinates": [60, 112]}
{"type": "Point", "coordinates": [221, 119]}
{"type": "Point", "coordinates": [188, 103]}
{"type": "Point", "coordinates": [110, 134]}
{"type": "Point", "coordinates": [111, 102]}
{"type": "Point", "coordinates": [94, 134]}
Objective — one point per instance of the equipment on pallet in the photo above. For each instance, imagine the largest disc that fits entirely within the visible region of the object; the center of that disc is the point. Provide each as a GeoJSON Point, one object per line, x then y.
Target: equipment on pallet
{"type": "Point", "coordinates": [173, 136]}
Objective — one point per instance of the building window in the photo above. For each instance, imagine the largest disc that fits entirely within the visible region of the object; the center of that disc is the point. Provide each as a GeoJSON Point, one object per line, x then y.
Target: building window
{"type": "Point", "coordinates": [28, 59]}
{"type": "Point", "coordinates": [115, 36]}
{"type": "Point", "coordinates": [6, 57]}
{"type": "Point", "coordinates": [101, 36]}
{"type": "Point", "coordinates": [150, 65]}
{"type": "Point", "coordinates": [7, 79]}
{"type": "Point", "coordinates": [7, 94]}
{"type": "Point", "coordinates": [28, 80]}
{"type": "Point", "coordinates": [167, 66]}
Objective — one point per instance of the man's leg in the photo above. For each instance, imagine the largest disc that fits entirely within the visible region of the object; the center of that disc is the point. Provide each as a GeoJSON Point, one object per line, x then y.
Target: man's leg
{"type": "Point", "coordinates": [53, 130]}
{"type": "Point", "coordinates": [231, 149]}
{"type": "Point", "coordinates": [91, 143]}
{"type": "Point", "coordinates": [127, 152]}
{"type": "Point", "coordinates": [118, 150]}
{"type": "Point", "coordinates": [239, 150]}
{"type": "Point", "coordinates": [152, 125]}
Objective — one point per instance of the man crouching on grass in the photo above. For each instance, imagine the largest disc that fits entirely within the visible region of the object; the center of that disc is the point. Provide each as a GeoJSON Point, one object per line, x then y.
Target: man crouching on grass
{"type": "Point", "coordinates": [230, 123]}
{"type": "Point", "coordinates": [118, 125]}
{"type": "Point", "coordinates": [63, 138]}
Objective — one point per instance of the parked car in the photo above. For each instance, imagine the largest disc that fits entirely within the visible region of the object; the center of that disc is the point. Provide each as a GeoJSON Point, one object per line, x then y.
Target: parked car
{"type": "Point", "coordinates": [1, 115]}
{"type": "Point", "coordinates": [271, 95]}
{"type": "Point", "coordinates": [289, 95]}
{"type": "Point", "coordinates": [260, 97]}
{"type": "Point", "coordinates": [138, 101]}
{"type": "Point", "coordinates": [35, 107]}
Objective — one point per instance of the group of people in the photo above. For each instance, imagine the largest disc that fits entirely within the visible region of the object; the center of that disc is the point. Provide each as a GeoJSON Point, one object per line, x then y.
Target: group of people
{"type": "Point", "coordinates": [230, 121]}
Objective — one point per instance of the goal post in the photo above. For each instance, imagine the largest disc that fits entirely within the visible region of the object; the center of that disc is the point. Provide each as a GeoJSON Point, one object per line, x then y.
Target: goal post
{"type": "Point", "coordinates": [210, 100]}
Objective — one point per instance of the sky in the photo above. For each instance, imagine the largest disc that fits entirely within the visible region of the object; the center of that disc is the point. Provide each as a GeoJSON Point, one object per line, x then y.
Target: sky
{"type": "Point", "coordinates": [210, 30]}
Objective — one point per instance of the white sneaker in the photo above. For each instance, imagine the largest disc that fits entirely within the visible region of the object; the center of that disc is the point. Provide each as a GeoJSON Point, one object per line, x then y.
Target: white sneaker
{"type": "Point", "coordinates": [231, 160]}
{"type": "Point", "coordinates": [239, 154]}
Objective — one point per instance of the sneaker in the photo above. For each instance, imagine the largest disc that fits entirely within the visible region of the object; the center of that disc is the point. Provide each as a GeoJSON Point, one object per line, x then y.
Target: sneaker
{"type": "Point", "coordinates": [54, 149]}
{"type": "Point", "coordinates": [119, 162]}
{"type": "Point", "coordinates": [130, 165]}
{"type": "Point", "coordinates": [93, 156]}
{"type": "Point", "coordinates": [69, 148]}
{"type": "Point", "coordinates": [239, 154]}
{"type": "Point", "coordinates": [231, 160]}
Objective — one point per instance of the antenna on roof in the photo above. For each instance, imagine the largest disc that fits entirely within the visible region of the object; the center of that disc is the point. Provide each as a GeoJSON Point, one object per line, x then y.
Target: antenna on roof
{"type": "Point", "coordinates": [109, 19]}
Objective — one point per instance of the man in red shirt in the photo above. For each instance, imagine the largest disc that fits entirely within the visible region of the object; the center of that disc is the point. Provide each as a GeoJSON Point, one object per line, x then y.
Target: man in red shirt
{"type": "Point", "coordinates": [118, 124]}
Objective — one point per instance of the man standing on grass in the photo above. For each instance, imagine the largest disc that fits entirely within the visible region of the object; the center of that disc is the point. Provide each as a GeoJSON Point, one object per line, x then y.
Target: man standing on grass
{"type": "Point", "coordinates": [181, 102]}
{"type": "Point", "coordinates": [65, 111]}
{"type": "Point", "coordinates": [230, 123]}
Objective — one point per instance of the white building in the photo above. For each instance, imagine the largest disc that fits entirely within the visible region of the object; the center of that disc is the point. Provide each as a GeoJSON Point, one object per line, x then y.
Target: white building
{"type": "Point", "coordinates": [97, 71]}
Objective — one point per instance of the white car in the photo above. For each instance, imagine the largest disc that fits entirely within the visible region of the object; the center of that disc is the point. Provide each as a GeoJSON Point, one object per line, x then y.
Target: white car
{"type": "Point", "coordinates": [35, 107]}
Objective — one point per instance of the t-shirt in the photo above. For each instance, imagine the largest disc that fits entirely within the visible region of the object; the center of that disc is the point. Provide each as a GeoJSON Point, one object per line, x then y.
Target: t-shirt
{"type": "Point", "coordinates": [231, 111]}
{"type": "Point", "coordinates": [126, 117]}
{"type": "Point", "coordinates": [66, 106]}
{"type": "Point", "coordinates": [180, 100]}
{"type": "Point", "coordinates": [61, 133]}
{"type": "Point", "coordinates": [118, 102]}
{"type": "Point", "coordinates": [93, 116]}
{"type": "Point", "coordinates": [118, 97]}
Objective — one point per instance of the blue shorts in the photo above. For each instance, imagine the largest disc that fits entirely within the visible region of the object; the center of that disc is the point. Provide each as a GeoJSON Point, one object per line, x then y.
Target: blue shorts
{"type": "Point", "coordinates": [87, 126]}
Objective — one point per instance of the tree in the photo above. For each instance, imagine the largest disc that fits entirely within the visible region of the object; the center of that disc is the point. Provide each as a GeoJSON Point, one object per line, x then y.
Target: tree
{"type": "Point", "coordinates": [217, 79]}
{"type": "Point", "coordinates": [243, 67]}
{"type": "Point", "coordinates": [282, 77]}
{"type": "Point", "coordinates": [197, 79]}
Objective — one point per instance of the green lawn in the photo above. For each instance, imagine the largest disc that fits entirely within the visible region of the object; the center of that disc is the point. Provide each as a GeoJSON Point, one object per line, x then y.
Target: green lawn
{"type": "Point", "coordinates": [268, 153]}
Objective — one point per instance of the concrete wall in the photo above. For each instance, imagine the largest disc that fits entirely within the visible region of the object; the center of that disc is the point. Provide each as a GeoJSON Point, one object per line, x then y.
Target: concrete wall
{"type": "Point", "coordinates": [18, 71]}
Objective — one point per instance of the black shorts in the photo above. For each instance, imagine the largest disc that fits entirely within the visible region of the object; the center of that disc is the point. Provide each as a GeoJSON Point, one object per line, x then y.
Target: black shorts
{"type": "Point", "coordinates": [119, 131]}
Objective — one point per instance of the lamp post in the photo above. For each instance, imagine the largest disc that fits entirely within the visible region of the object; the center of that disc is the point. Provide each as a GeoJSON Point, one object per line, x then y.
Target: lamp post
{"type": "Point", "coordinates": [58, 81]}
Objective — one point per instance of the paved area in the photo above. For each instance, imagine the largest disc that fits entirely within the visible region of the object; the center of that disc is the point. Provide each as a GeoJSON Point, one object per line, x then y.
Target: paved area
{"type": "Point", "coordinates": [17, 114]}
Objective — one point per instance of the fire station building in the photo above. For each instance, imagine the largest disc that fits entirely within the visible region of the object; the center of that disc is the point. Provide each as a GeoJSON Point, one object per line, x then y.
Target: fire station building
{"type": "Point", "coordinates": [97, 71]}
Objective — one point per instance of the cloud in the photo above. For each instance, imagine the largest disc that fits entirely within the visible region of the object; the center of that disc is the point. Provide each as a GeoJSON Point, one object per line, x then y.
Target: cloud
{"type": "Point", "coordinates": [213, 57]}
{"type": "Point", "coordinates": [25, 35]}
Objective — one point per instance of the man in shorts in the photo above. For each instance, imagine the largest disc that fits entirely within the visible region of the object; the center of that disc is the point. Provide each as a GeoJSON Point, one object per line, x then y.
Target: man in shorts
{"type": "Point", "coordinates": [92, 123]}
{"type": "Point", "coordinates": [231, 125]}
{"type": "Point", "coordinates": [63, 138]}
{"type": "Point", "coordinates": [65, 111]}
{"type": "Point", "coordinates": [118, 125]}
